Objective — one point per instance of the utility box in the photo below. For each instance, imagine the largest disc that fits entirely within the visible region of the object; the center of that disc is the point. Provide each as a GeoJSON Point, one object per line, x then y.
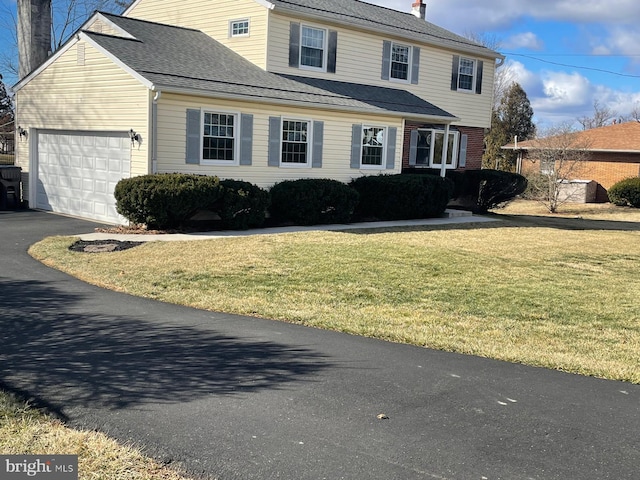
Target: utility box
{"type": "Point", "coordinates": [578, 191]}
{"type": "Point", "coordinates": [10, 187]}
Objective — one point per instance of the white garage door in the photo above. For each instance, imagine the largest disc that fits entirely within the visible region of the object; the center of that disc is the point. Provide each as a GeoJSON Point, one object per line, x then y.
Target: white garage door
{"type": "Point", "coordinates": [78, 172]}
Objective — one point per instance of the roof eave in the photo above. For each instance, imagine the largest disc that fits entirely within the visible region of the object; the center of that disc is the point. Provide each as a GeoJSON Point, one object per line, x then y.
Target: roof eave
{"type": "Point", "coordinates": [410, 36]}
{"type": "Point", "coordinates": [295, 103]}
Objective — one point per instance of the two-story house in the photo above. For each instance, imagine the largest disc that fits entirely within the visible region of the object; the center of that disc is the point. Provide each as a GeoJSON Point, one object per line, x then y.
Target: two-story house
{"type": "Point", "coordinates": [248, 89]}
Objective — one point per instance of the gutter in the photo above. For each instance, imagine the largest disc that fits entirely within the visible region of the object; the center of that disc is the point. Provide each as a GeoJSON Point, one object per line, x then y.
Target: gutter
{"type": "Point", "coordinates": [154, 130]}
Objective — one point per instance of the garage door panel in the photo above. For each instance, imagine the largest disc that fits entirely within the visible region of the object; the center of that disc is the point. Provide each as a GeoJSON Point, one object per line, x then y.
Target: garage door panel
{"type": "Point", "coordinates": [78, 172]}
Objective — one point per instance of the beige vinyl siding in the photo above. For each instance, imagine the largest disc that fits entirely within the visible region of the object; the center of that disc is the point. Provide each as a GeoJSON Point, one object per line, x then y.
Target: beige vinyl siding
{"type": "Point", "coordinates": [99, 26]}
{"type": "Point", "coordinates": [359, 60]}
{"type": "Point", "coordinates": [213, 19]}
{"type": "Point", "coordinates": [96, 96]}
{"type": "Point", "coordinates": [336, 150]}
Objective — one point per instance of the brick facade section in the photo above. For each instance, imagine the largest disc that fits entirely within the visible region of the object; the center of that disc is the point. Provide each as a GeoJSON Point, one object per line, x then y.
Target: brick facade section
{"type": "Point", "coordinates": [475, 144]}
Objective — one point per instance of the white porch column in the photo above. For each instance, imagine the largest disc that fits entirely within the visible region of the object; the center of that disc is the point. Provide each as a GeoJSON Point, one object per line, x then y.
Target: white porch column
{"type": "Point", "coordinates": [445, 152]}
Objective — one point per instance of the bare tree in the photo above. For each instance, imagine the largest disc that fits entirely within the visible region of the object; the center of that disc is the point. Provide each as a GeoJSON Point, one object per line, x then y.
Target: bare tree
{"type": "Point", "coordinates": [562, 153]}
{"type": "Point", "coordinates": [602, 115]}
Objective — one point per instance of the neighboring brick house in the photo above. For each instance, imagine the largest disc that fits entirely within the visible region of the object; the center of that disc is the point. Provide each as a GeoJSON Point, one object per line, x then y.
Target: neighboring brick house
{"type": "Point", "coordinates": [614, 155]}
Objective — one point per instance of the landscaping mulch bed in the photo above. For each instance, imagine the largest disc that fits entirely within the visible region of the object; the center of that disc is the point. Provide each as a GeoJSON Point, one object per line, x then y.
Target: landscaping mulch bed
{"type": "Point", "coordinates": [102, 246]}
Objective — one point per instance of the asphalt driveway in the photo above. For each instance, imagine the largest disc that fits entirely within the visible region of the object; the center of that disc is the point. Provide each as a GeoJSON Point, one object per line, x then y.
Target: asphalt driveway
{"type": "Point", "coordinates": [232, 397]}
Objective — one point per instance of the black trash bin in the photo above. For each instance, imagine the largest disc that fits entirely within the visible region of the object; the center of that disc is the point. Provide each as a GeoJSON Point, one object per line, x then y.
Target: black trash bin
{"type": "Point", "coordinates": [10, 187]}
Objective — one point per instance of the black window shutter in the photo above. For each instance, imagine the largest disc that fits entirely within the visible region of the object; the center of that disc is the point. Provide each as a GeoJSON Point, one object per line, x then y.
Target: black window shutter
{"type": "Point", "coordinates": [318, 139]}
{"type": "Point", "coordinates": [294, 45]}
{"type": "Point", "coordinates": [246, 139]}
{"type": "Point", "coordinates": [386, 60]}
{"type": "Point", "coordinates": [479, 77]}
{"type": "Point", "coordinates": [193, 137]}
{"type": "Point", "coordinates": [454, 72]}
{"type": "Point", "coordinates": [274, 142]}
{"type": "Point", "coordinates": [333, 51]}
{"type": "Point", "coordinates": [356, 145]}
{"type": "Point", "coordinates": [415, 65]}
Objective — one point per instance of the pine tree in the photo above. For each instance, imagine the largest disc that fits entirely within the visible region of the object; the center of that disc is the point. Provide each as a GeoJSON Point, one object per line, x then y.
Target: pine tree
{"type": "Point", "coordinates": [512, 117]}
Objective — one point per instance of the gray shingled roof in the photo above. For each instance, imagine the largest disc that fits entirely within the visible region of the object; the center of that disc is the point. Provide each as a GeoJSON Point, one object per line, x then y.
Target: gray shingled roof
{"type": "Point", "coordinates": [175, 58]}
{"type": "Point", "coordinates": [377, 19]}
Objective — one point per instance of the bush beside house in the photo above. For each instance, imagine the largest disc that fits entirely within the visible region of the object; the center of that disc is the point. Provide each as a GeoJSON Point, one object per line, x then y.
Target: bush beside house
{"type": "Point", "coordinates": [626, 192]}
{"type": "Point", "coordinates": [170, 200]}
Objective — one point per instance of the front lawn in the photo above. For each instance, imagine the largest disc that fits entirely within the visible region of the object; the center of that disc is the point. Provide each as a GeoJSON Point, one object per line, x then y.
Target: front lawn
{"type": "Point", "coordinates": [559, 293]}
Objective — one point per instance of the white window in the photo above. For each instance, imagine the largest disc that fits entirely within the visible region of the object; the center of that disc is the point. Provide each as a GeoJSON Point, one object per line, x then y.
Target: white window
{"type": "Point", "coordinates": [400, 55]}
{"type": "Point", "coordinates": [295, 142]}
{"type": "Point", "coordinates": [219, 138]}
{"type": "Point", "coordinates": [313, 48]}
{"type": "Point", "coordinates": [430, 146]}
{"type": "Point", "coordinates": [466, 74]}
{"type": "Point", "coordinates": [239, 28]}
{"type": "Point", "coordinates": [373, 147]}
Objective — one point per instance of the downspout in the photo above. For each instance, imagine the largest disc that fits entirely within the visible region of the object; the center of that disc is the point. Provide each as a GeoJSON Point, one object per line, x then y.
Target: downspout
{"type": "Point", "coordinates": [445, 151]}
{"type": "Point", "coordinates": [154, 131]}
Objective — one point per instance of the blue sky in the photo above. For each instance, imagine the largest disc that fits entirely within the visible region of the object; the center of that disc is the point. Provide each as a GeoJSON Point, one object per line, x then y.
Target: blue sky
{"type": "Point", "coordinates": [566, 54]}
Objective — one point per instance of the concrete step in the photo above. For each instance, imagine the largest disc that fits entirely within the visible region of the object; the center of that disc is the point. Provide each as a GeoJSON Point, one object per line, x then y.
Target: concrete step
{"type": "Point", "coordinates": [452, 213]}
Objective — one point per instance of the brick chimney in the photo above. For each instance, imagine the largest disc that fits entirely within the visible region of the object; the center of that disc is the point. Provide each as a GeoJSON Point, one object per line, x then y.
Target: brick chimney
{"type": "Point", "coordinates": [419, 9]}
{"type": "Point", "coordinates": [34, 34]}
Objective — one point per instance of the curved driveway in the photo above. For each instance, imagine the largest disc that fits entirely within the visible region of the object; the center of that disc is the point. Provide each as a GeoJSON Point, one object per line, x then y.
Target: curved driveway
{"type": "Point", "coordinates": [230, 397]}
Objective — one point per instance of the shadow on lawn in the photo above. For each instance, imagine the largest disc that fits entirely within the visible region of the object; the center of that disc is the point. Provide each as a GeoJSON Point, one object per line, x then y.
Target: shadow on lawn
{"type": "Point", "coordinates": [513, 221]}
{"type": "Point", "coordinates": [50, 349]}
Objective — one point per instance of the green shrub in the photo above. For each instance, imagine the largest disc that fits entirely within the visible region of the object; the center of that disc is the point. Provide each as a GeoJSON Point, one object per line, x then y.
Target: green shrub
{"type": "Point", "coordinates": [404, 196]}
{"type": "Point", "coordinates": [242, 205]}
{"type": "Point", "coordinates": [312, 201]}
{"type": "Point", "coordinates": [165, 200]}
{"type": "Point", "coordinates": [626, 192]}
{"type": "Point", "coordinates": [480, 190]}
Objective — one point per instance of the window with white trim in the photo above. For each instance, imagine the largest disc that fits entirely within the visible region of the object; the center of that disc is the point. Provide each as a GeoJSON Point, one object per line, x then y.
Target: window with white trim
{"type": "Point", "coordinates": [295, 142]}
{"type": "Point", "coordinates": [219, 138]}
{"type": "Point", "coordinates": [430, 146]}
{"type": "Point", "coordinates": [313, 47]}
{"type": "Point", "coordinates": [373, 146]}
{"type": "Point", "coordinates": [239, 28]}
{"type": "Point", "coordinates": [400, 58]}
{"type": "Point", "coordinates": [466, 74]}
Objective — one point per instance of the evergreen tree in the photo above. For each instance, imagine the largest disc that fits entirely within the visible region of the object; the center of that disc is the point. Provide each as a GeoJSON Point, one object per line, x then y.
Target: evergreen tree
{"type": "Point", "coordinates": [512, 117]}
{"type": "Point", "coordinates": [6, 117]}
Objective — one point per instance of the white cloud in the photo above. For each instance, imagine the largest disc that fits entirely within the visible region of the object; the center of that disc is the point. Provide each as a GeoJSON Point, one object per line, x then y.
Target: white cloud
{"type": "Point", "coordinates": [527, 40]}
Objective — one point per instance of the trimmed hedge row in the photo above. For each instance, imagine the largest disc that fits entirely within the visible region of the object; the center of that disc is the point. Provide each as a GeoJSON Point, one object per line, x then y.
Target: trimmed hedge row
{"type": "Point", "coordinates": [170, 200]}
{"type": "Point", "coordinates": [626, 192]}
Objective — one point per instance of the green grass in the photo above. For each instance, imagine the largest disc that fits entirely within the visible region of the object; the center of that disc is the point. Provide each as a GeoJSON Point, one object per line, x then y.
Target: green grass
{"type": "Point", "coordinates": [562, 298]}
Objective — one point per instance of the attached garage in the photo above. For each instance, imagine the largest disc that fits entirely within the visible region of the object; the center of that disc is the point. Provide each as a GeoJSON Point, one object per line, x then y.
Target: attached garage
{"type": "Point", "coordinates": [77, 172]}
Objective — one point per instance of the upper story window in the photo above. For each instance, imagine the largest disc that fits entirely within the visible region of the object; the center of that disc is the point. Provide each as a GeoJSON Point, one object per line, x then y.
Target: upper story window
{"type": "Point", "coordinates": [219, 138]}
{"type": "Point", "coordinates": [466, 74]}
{"type": "Point", "coordinates": [313, 47]}
{"type": "Point", "coordinates": [239, 28]}
{"type": "Point", "coordinates": [400, 61]}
